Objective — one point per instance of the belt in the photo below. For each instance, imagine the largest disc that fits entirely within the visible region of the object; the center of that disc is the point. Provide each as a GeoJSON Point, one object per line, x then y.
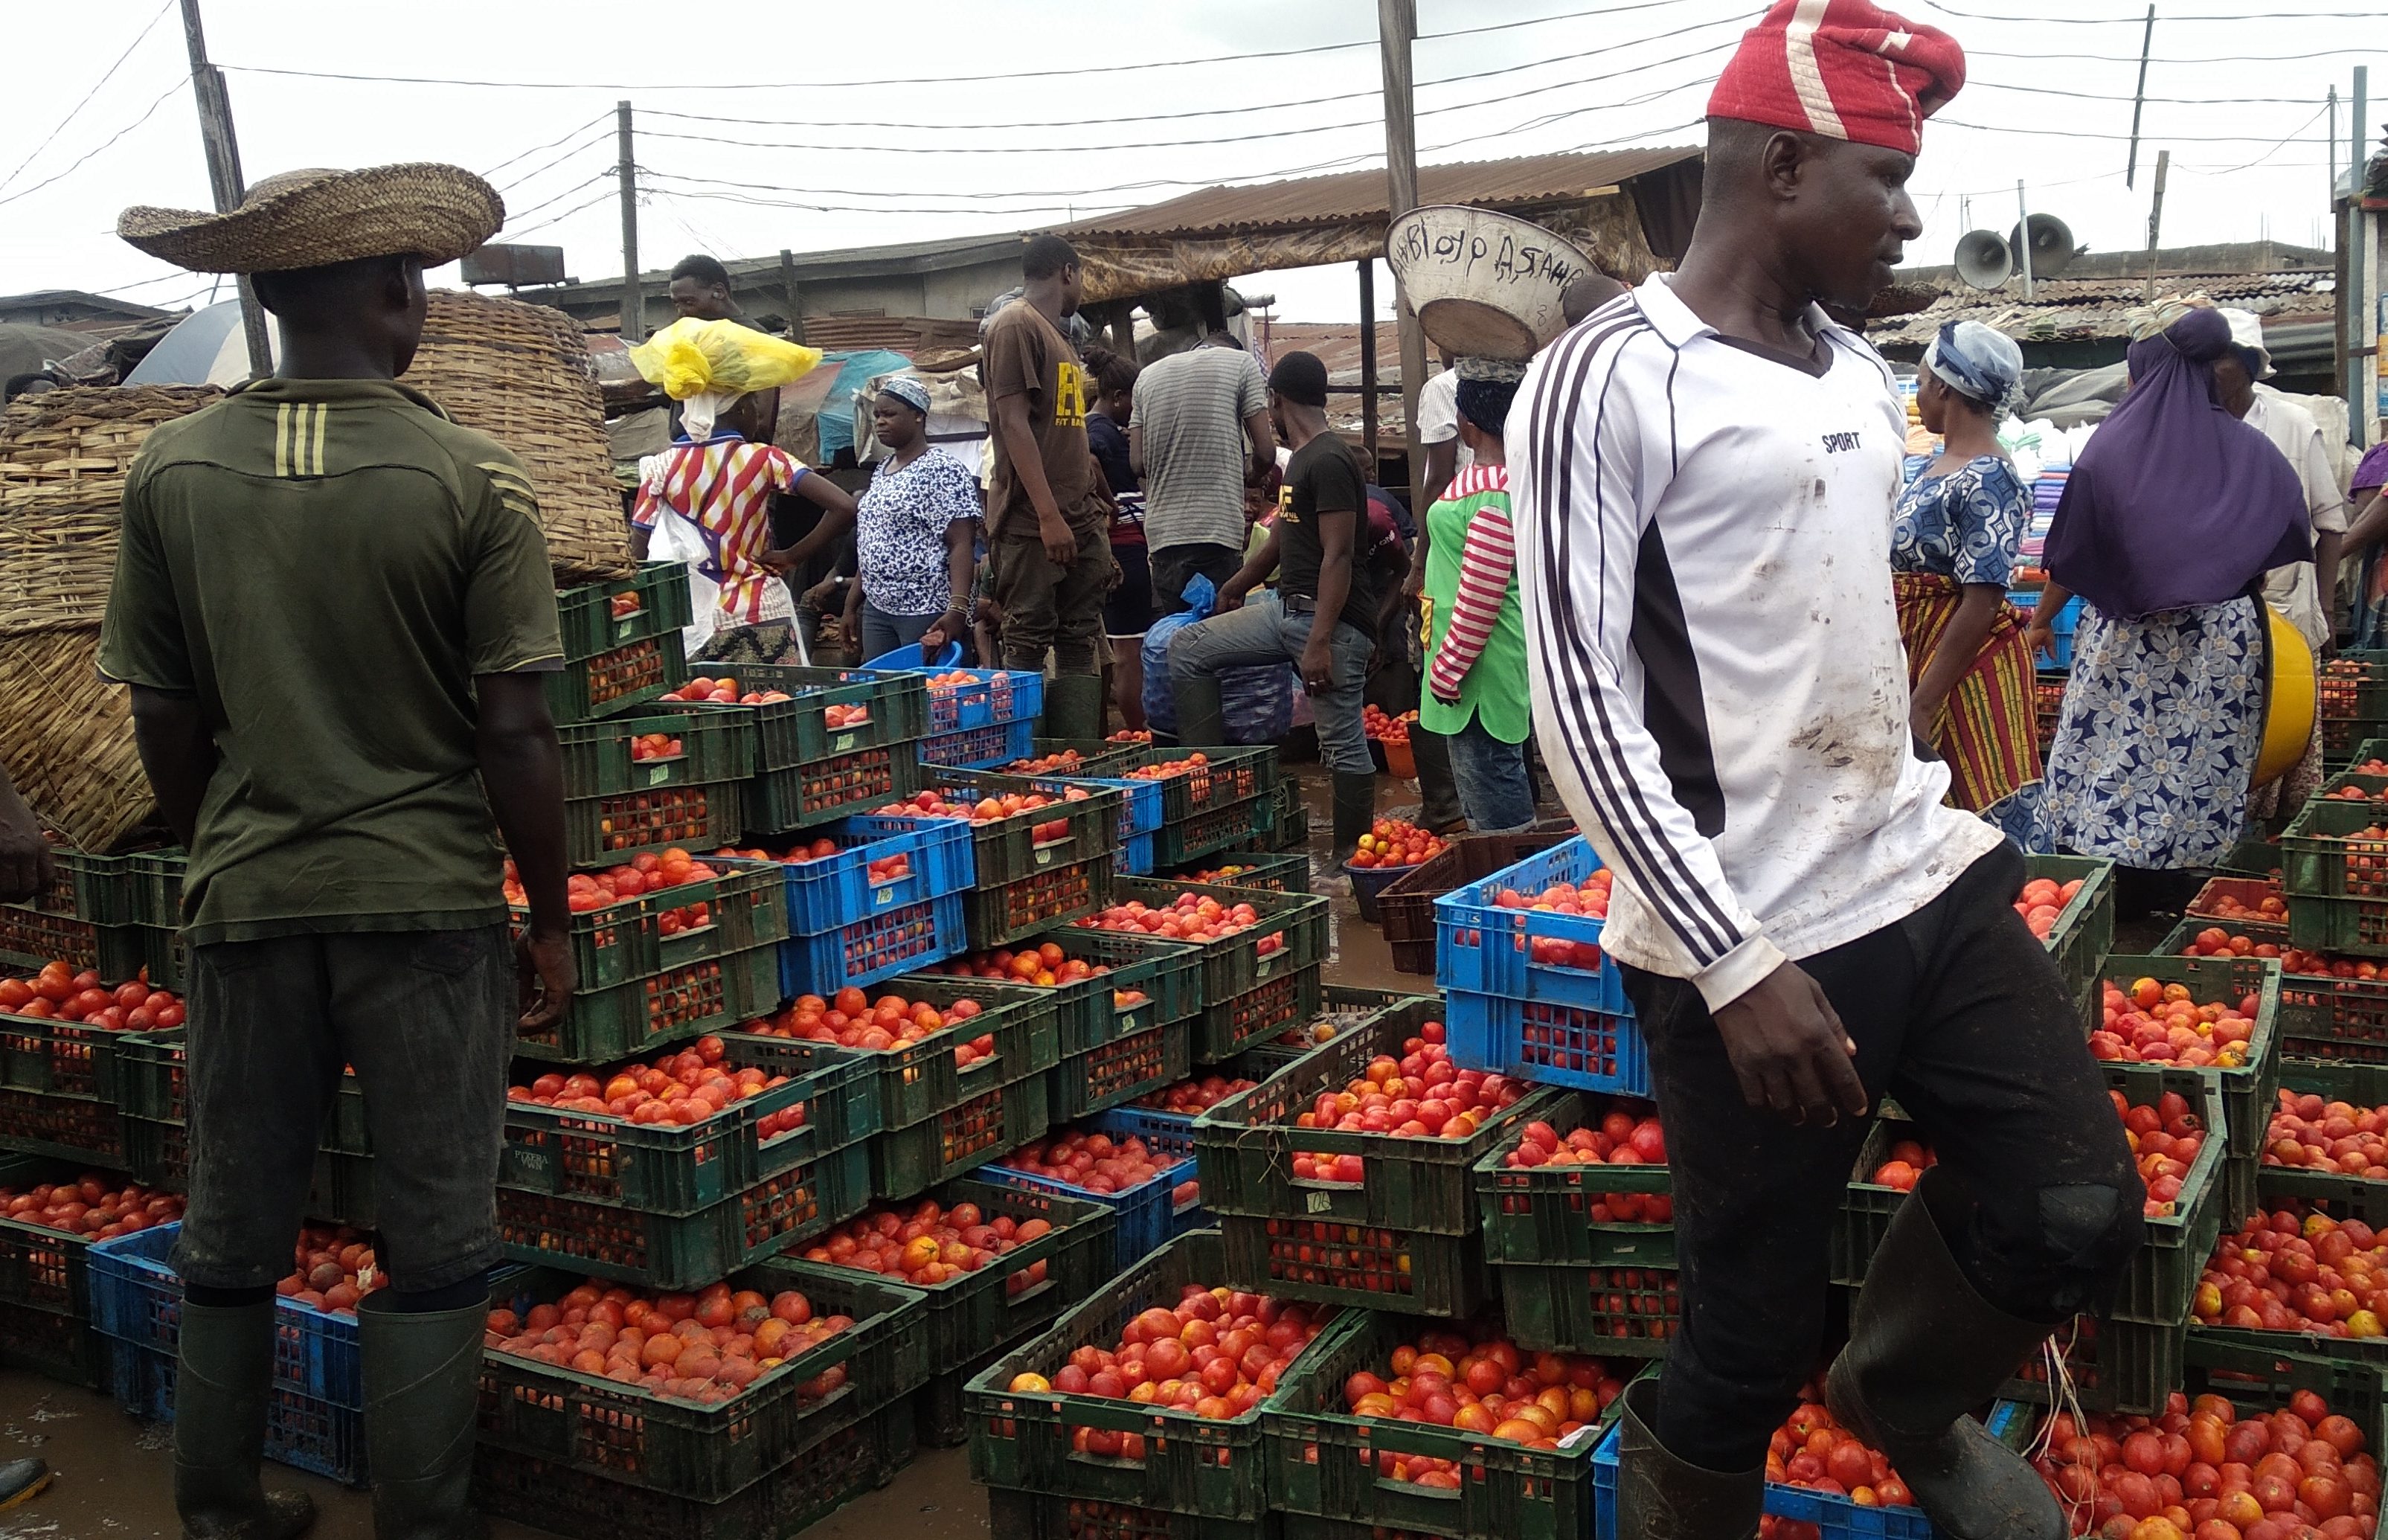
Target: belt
{"type": "Point", "coordinates": [1299, 604]}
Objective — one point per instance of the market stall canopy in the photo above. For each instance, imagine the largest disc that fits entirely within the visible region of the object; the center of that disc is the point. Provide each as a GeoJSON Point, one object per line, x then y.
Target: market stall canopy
{"type": "Point", "coordinates": [206, 347]}
{"type": "Point", "coordinates": [24, 349]}
{"type": "Point", "coordinates": [1631, 210]}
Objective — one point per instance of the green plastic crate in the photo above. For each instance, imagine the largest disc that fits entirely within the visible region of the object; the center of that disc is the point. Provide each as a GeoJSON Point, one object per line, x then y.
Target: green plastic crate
{"type": "Point", "coordinates": [2337, 884]}
{"type": "Point", "coordinates": [1233, 964]}
{"type": "Point", "coordinates": [705, 1452]}
{"type": "Point", "coordinates": [597, 759]}
{"type": "Point", "coordinates": [1291, 828]}
{"type": "Point", "coordinates": [814, 1479]}
{"type": "Point", "coordinates": [1007, 849]}
{"type": "Point", "coordinates": [685, 1252]}
{"type": "Point", "coordinates": [2110, 1366]}
{"type": "Point", "coordinates": [101, 889]}
{"type": "Point", "coordinates": [919, 1080]}
{"type": "Point", "coordinates": [1369, 1266]}
{"type": "Point", "coordinates": [2360, 1085]}
{"type": "Point", "coordinates": [1269, 872]}
{"type": "Point", "coordinates": [746, 906]}
{"type": "Point", "coordinates": [1218, 829]}
{"type": "Point", "coordinates": [45, 1286]}
{"type": "Point", "coordinates": [1087, 1010]}
{"type": "Point", "coordinates": [146, 1081]}
{"type": "Point", "coordinates": [973, 1314]}
{"type": "Point", "coordinates": [1099, 757]}
{"type": "Point", "coordinates": [2084, 932]}
{"type": "Point", "coordinates": [1049, 1516]}
{"type": "Point", "coordinates": [1226, 776]}
{"type": "Point", "coordinates": [857, 780]}
{"type": "Point", "coordinates": [1535, 1215]}
{"type": "Point", "coordinates": [603, 1027]}
{"type": "Point", "coordinates": [157, 879]}
{"type": "Point", "coordinates": [1336, 1010]}
{"type": "Point", "coordinates": [906, 1161]}
{"type": "Point", "coordinates": [606, 831]}
{"type": "Point", "coordinates": [1245, 1146]}
{"type": "Point", "coordinates": [1623, 1310]}
{"type": "Point", "coordinates": [590, 625]}
{"type": "Point", "coordinates": [617, 680]}
{"type": "Point", "coordinates": [795, 731]}
{"type": "Point", "coordinates": [1120, 1071]}
{"type": "Point", "coordinates": [1324, 1462]}
{"type": "Point", "coordinates": [2255, 1375]}
{"type": "Point", "coordinates": [1201, 1467]}
{"type": "Point", "coordinates": [1002, 913]}
{"type": "Point", "coordinates": [30, 937]}
{"type": "Point", "coordinates": [2246, 1090]}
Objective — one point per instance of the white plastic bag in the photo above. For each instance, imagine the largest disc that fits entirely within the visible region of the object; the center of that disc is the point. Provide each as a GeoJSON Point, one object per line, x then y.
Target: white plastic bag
{"type": "Point", "coordinates": [674, 538]}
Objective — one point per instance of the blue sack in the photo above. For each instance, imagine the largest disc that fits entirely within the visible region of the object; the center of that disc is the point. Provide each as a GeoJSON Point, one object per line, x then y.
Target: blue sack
{"type": "Point", "coordinates": [1256, 703]}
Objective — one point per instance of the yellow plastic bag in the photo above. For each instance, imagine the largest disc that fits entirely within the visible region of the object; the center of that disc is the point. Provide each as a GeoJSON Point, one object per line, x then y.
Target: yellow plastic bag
{"type": "Point", "coordinates": [690, 357]}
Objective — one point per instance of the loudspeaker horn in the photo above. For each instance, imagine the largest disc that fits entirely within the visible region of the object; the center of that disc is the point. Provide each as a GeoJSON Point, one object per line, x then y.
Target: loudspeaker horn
{"type": "Point", "coordinates": [2052, 245]}
{"type": "Point", "coordinates": [1983, 259]}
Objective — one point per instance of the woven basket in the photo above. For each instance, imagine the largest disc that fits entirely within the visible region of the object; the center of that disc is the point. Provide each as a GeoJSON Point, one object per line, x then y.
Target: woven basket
{"type": "Point", "coordinates": [63, 458]}
{"type": "Point", "coordinates": [69, 747]}
{"type": "Point", "coordinates": [521, 375]}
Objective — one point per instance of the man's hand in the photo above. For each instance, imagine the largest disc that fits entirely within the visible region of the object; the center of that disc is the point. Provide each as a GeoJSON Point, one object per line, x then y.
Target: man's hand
{"type": "Point", "coordinates": [947, 626]}
{"type": "Point", "coordinates": [1317, 665]}
{"type": "Point", "coordinates": [1790, 1052]}
{"type": "Point", "coordinates": [1921, 722]}
{"type": "Point", "coordinates": [1230, 597]}
{"type": "Point", "coordinates": [1414, 586]}
{"type": "Point", "coordinates": [1060, 545]}
{"type": "Point", "coordinates": [2041, 638]}
{"type": "Point", "coordinates": [26, 868]}
{"type": "Point", "coordinates": [544, 979]}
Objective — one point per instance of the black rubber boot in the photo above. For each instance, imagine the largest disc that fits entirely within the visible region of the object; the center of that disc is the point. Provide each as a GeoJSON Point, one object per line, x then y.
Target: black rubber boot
{"type": "Point", "coordinates": [422, 1380]}
{"type": "Point", "coordinates": [1074, 706]}
{"type": "Point", "coordinates": [1925, 1349]}
{"type": "Point", "coordinates": [220, 1390]}
{"type": "Point", "coordinates": [1355, 809]}
{"type": "Point", "coordinates": [1439, 808]}
{"type": "Point", "coordinates": [1201, 721]}
{"type": "Point", "coordinates": [1660, 1497]}
{"type": "Point", "coordinates": [21, 1481]}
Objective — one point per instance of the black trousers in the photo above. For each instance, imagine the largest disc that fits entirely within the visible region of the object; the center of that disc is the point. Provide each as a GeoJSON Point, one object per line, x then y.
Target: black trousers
{"type": "Point", "coordinates": [1960, 1014]}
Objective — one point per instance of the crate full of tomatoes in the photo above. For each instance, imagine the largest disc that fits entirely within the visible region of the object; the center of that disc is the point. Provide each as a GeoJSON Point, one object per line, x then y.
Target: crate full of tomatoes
{"type": "Point", "coordinates": [51, 1213]}
{"type": "Point", "coordinates": [60, 1033]}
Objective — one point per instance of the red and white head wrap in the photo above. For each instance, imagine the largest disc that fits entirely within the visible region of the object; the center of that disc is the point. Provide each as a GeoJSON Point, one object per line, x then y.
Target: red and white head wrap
{"type": "Point", "coordinates": [1842, 69]}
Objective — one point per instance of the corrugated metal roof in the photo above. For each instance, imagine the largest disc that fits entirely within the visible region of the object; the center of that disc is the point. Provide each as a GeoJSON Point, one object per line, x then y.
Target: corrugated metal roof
{"type": "Point", "coordinates": [1315, 200]}
{"type": "Point", "coordinates": [2081, 308]}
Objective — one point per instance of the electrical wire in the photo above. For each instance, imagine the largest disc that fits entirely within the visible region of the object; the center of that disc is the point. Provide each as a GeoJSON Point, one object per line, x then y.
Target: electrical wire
{"type": "Point", "coordinates": [569, 134]}
{"type": "Point", "coordinates": [512, 234]}
{"type": "Point", "coordinates": [2042, 56]}
{"type": "Point", "coordinates": [2145, 138]}
{"type": "Point", "coordinates": [528, 177]}
{"type": "Point", "coordinates": [2141, 20]}
{"type": "Point", "coordinates": [606, 175]}
{"type": "Point", "coordinates": [52, 136]}
{"type": "Point", "coordinates": [105, 144]}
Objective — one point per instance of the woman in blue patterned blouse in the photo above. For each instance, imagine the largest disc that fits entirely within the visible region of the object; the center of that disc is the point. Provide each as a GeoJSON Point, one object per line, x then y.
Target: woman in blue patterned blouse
{"type": "Point", "coordinates": [1952, 551]}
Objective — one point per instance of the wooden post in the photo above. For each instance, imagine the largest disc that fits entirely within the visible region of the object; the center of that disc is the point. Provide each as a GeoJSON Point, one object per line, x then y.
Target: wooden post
{"type": "Point", "coordinates": [1368, 360]}
{"type": "Point", "coordinates": [2140, 95]}
{"type": "Point", "coordinates": [634, 298]}
{"type": "Point", "coordinates": [2155, 224]}
{"type": "Point", "coordinates": [1396, 29]}
{"type": "Point", "coordinates": [791, 296]}
{"type": "Point", "coordinates": [225, 184]}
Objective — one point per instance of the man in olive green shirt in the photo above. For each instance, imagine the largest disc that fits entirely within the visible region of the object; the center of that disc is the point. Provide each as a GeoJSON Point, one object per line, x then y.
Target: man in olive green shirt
{"type": "Point", "coordinates": [334, 611]}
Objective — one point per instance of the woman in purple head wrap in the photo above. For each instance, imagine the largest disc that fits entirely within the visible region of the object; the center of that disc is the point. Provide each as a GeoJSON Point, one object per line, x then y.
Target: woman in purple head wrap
{"type": "Point", "coordinates": [2172, 516]}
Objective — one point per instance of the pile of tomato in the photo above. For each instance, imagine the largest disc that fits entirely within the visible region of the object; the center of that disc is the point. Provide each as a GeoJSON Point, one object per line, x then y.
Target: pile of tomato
{"type": "Point", "coordinates": [683, 1088]}
{"type": "Point", "coordinates": [704, 1348]}
{"type": "Point", "coordinates": [61, 992]}
{"type": "Point", "coordinates": [1395, 842]}
{"type": "Point", "coordinates": [853, 1019]}
{"type": "Point", "coordinates": [2154, 1022]}
{"type": "Point", "coordinates": [2205, 1470]}
{"type": "Point", "coordinates": [931, 1244]}
{"type": "Point", "coordinates": [331, 1269]}
{"type": "Point", "coordinates": [1385, 729]}
{"type": "Point", "coordinates": [1480, 1383]}
{"type": "Point", "coordinates": [1188, 917]}
{"type": "Point", "coordinates": [2282, 1271]}
{"type": "Point", "coordinates": [1215, 1354]}
{"type": "Point", "coordinates": [2042, 902]}
{"type": "Point", "coordinates": [2314, 1135]}
{"type": "Point", "coordinates": [92, 1205]}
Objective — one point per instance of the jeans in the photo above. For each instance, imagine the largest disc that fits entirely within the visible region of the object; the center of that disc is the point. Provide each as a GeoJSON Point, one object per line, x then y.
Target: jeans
{"type": "Point", "coordinates": [426, 1019]}
{"type": "Point", "coordinates": [1262, 631]}
{"type": "Point", "coordinates": [1493, 787]}
{"type": "Point", "coordinates": [1175, 565]}
{"type": "Point", "coordinates": [1959, 1012]}
{"type": "Point", "coordinates": [1047, 607]}
{"type": "Point", "coordinates": [882, 633]}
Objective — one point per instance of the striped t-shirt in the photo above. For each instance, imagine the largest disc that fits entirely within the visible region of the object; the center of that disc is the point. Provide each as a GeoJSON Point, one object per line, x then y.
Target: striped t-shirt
{"type": "Point", "coordinates": [724, 487]}
{"type": "Point", "coordinates": [1189, 411]}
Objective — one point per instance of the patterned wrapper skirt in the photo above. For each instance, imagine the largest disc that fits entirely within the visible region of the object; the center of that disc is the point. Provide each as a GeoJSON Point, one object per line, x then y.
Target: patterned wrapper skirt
{"type": "Point", "coordinates": [2162, 726]}
{"type": "Point", "coordinates": [1988, 733]}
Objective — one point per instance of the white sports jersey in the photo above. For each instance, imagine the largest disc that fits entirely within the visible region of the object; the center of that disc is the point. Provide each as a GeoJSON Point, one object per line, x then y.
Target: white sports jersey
{"type": "Point", "coordinates": [1702, 532]}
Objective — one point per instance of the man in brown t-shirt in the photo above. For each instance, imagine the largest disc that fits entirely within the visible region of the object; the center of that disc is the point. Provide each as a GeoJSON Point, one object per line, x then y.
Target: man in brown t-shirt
{"type": "Point", "coordinates": [1050, 533]}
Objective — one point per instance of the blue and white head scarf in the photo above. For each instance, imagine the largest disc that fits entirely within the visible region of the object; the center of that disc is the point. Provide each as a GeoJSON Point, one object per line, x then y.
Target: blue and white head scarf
{"type": "Point", "coordinates": [1979, 362]}
{"type": "Point", "coordinates": [909, 391]}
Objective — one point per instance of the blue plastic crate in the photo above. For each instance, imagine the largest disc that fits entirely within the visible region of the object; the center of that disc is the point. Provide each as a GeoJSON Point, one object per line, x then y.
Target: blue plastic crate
{"type": "Point", "coordinates": [314, 1419]}
{"type": "Point", "coordinates": [1147, 1215]}
{"type": "Point", "coordinates": [1838, 1518]}
{"type": "Point", "coordinates": [2068, 620]}
{"type": "Point", "coordinates": [981, 747]}
{"type": "Point", "coordinates": [992, 696]}
{"type": "Point", "coordinates": [1140, 801]}
{"type": "Point", "coordinates": [834, 891]}
{"type": "Point", "coordinates": [896, 941]}
{"type": "Point", "coordinates": [1548, 1042]}
{"type": "Point", "coordinates": [1134, 856]}
{"type": "Point", "coordinates": [1481, 947]}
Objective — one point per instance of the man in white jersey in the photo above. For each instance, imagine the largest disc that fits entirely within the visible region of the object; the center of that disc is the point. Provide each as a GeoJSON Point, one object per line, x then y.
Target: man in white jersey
{"type": "Point", "coordinates": [1703, 473]}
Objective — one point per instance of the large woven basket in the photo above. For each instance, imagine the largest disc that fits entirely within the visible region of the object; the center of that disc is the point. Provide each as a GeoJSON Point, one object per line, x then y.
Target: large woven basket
{"type": "Point", "coordinates": [63, 458]}
{"type": "Point", "coordinates": [68, 744]}
{"type": "Point", "coordinates": [521, 375]}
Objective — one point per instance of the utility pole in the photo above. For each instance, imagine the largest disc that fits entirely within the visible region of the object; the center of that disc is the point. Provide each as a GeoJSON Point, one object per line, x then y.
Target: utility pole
{"type": "Point", "coordinates": [2155, 224]}
{"type": "Point", "coordinates": [634, 298]}
{"type": "Point", "coordinates": [2023, 237]}
{"type": "Point", "coordinates": [2139, 97]}
{"type": "Point", "coordinates": [1368, 361]}
{"type": "Point", "coordinates": [789, 292]}
{"type": "Point", "coordinates": [224, 182]}
{"type": "Point", "coordinates": [1396, 30]}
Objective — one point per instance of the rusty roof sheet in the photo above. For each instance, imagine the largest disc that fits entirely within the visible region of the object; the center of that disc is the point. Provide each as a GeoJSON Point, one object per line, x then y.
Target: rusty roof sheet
{"type": "Point", "coordinates": [2083, 309]}
{"type": "Point", "coordinates": [1348, 195]}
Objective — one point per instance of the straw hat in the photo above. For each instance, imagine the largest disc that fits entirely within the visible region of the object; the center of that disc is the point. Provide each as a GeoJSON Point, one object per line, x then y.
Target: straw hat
{"type": "Point", "coordinates": [316, 217]}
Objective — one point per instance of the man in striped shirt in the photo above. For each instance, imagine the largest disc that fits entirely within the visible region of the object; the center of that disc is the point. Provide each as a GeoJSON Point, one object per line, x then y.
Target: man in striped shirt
{"type": "Point", "coordinates": [1703, 474]}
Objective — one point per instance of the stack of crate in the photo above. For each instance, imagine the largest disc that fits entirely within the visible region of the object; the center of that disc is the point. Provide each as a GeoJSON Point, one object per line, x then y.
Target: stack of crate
{"type": "Point", "coordinates": [980, 719]}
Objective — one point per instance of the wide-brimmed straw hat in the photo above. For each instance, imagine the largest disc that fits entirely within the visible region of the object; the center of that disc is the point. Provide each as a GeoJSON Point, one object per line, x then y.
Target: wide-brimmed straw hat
{"type": "Point", "coordinates": [316, 217]}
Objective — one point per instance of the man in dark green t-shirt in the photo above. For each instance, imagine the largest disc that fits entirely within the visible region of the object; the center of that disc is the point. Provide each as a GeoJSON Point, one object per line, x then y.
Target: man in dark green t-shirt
{"type": "Point", "coordinates": [334, 609]}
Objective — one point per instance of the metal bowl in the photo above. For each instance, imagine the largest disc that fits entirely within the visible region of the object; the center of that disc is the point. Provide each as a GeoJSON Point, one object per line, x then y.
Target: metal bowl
{"type": "Point", "coordinates": [1483, 284]}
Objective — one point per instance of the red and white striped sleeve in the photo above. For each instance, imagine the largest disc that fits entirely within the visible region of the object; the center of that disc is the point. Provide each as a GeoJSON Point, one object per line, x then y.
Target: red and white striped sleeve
{"type": "Point", "coordinates": [1486, 563]}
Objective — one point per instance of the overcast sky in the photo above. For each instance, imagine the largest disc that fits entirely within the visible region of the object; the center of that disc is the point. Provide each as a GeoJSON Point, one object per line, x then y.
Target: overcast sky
{"type": "Point", "coordinates": [773, 149]}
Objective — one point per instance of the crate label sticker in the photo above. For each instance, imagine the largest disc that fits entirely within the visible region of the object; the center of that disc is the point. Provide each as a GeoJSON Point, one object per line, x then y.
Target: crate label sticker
{"type": "Point", "coordinates": [1319, 1203]}
{"type": "Point", "coordinates": [530, 1163]}
{"type": "Point", "coordinates": [842, 742]}
{"type": "Point", "coordinates": [883, 895]}
{"type": "Point", "coordinates": [1043, 854]}
{"type": "Point", "coordinates": [658, 774]}
{"type": "Point", "coordinates": [626, 625]}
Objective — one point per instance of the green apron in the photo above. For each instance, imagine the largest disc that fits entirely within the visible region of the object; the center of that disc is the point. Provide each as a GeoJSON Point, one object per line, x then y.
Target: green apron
{"type": "Point", "coordinates": [1494, 692]}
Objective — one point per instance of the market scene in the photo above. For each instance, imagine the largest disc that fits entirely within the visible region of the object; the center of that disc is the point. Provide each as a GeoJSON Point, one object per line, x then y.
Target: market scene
{"type": "Point", "coordinates": [1668, 826]}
